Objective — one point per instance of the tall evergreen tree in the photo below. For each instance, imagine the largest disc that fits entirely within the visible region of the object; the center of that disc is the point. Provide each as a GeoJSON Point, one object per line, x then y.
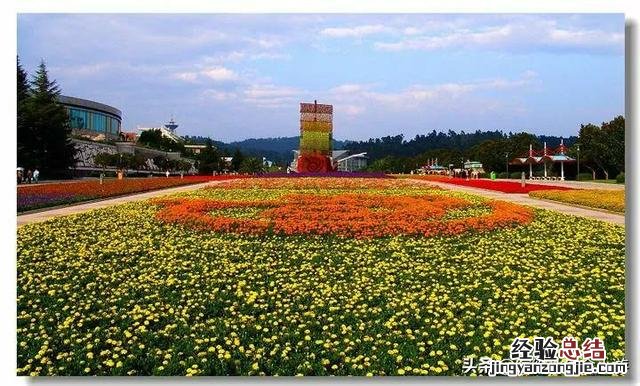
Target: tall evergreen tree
{"type": "Point", "coordinates": [54, 152]}
{"type": "Point", "coordinates": [25, 140]}
{"type": "Point", "coordinates": [236, 160]}
{"type": "Point", "coordinates": [209, 159]}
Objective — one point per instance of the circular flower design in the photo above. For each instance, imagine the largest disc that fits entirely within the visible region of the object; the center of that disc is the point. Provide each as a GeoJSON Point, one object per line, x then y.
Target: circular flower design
{"type": "Point", "coordinates": [344, 215]}
{"type": "Point", "coordinates": [314, 164]}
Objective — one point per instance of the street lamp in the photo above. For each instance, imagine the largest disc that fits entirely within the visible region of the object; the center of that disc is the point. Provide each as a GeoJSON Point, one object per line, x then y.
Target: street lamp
{"type": "Point", "coordinates": [506, 156]}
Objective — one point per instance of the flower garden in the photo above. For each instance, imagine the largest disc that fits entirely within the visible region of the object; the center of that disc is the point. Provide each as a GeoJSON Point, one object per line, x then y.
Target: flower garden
{"type": "Point", "coordinates": [612, 200]}
{"type": "Point", "coordinates": [51, 194]}
{"type": "Point", "coordinates": [310, 276]}
{"type": "Point", "coordinates": [500, 186]}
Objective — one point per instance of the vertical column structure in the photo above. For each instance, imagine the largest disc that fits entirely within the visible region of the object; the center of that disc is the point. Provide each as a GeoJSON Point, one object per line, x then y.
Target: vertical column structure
{"type": "Point", "coordinates": [316, 137]}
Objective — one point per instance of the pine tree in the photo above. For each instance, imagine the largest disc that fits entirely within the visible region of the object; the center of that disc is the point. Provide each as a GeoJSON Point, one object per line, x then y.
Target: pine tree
{"type": "Point", "coordinates": [236, 160]}
{"type": "Point", "coordinates": [24, 134]}
{"type": "Point", "coordinates": [208, 159]}
{"type": "Point", "coordinates": [54, 151]}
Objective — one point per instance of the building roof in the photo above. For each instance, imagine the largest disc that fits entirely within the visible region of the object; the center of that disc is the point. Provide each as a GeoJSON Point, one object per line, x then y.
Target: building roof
{"type": "Point", "coordinates": [88, 104]}
{"type": "Point", "coordinates": [359, 155]}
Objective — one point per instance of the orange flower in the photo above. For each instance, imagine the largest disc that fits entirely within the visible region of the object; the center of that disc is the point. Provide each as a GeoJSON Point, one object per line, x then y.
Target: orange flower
{"type": "Point", "coordinates": [344, 215]}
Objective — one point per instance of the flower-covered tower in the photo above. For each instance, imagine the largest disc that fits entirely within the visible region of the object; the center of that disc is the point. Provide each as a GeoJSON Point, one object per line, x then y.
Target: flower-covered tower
{"type": "Point", "coordinates": [316, 137]}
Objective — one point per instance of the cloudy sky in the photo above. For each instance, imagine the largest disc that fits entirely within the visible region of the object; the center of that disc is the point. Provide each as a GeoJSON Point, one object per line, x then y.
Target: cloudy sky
{"type": "Point", "coordinates": [241, 76]}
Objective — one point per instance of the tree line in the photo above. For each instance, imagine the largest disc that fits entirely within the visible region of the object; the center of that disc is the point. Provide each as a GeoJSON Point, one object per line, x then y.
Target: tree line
{"type": "Point", "coordinates": [137, 162]}
{"type": "Point", "coordinates": [212, 160]}
{"type": "Point", "coordinates": [600, 148]}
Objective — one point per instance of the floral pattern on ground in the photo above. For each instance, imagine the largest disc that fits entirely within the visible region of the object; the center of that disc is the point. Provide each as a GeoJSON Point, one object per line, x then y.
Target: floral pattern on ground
{"type": "Point", "coordinates": [31, 197]}
{"type": "Point", "coordinates": [612, 200]}
{"type": "Point", "coordinates": [114, 291]}
{"type": "Point", "coordinates": [344, 215]}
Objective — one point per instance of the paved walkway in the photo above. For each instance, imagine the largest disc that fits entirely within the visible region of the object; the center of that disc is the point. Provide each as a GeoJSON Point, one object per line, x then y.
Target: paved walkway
{"type": "Point", "coordinates": [524, 199]}
{"type": "Point", "coordinates": [73, 209]}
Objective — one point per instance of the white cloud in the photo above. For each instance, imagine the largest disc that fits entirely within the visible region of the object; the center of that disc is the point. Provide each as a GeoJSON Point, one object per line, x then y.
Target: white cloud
{"type": "Point", "coordinates": [585, 37]}
{"type": "Point", "coordinates": [272, 96]}
{"type": "Point", "coordinates": [214, 73]}
{"type": "Point", "coordinates": [354, 32]}
{"type": "Point", "coordinates": [219, 73]}
{"type": "Point", "coordinates": [411, 31]}
{"type": "Point", "coordinates": [349, 88]}
{"type": "Point", "coordinates": [515, 36]}
{"type": "Point", "coordinates": [186, 76]}
{"type": "Point", "coordinates": [219, 95]}
{"type": "Point", "coordinates": [355, 97]}
{"type": "Point", "coordinates": [352, 110]}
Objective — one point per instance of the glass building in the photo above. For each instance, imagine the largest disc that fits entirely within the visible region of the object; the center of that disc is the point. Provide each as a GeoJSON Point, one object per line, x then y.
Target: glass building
{"type": "Point", "coordinates": [92, 119]}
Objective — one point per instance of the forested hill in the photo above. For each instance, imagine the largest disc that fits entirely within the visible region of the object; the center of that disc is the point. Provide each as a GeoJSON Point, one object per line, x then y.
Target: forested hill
{"type": "Point", "coordinates": [275, 149]}
{"type": "Point", "coordinates": [397, 146]}
{"type": "Point", "coordinates": [279, 149]}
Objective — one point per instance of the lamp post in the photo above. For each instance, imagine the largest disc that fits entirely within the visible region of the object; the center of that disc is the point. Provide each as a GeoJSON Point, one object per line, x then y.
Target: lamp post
{"type": "Point", "coordinates": [506, 156]}
{"type": "Point", "coordinates": [578, 150]}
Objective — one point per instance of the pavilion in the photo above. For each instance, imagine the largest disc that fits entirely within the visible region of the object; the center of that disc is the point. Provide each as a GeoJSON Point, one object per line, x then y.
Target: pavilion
{"type": "Point", "coordinates": [432, 167]}
{"type": "Point", "coordinates": [558, 155]}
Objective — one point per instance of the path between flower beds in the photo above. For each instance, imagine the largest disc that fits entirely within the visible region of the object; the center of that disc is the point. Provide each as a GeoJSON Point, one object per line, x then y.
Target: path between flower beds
{"type": "Point", "coordinates": [524, 199]}
{"type": "Point", "coordinates": [78, 208]}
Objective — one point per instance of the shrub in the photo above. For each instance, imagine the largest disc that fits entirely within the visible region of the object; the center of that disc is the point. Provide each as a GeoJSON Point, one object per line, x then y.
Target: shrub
{"type": "Point", "coordinates": [620, 178]}
{"type": "Point", "coordinates": [503, 175]}
{"type": "Point", "coordinates": [585, 177]}
{"type": "Point", "coordinates": [517, 175]}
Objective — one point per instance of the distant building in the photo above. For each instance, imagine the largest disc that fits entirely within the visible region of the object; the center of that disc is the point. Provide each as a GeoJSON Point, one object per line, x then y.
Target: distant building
{"type": "Point", "coordinates": [195, 149]}
{"type": "Point", "coordinates": [92, 120]}
{"type": "Point", "coordinates": [129, 137]}
{"type": "Point", "coordinates": [350, 162]}
{"type": "Point", "coordinates": [168, 130]}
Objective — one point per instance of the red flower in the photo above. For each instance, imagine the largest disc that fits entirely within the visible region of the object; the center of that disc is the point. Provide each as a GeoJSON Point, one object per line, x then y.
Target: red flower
{"type": "Point", "coordinates": [500, 186]}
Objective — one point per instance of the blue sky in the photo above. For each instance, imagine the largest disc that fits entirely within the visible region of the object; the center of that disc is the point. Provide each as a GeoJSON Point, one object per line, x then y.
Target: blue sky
{"type": "Point", "coordinates": [242, 76]}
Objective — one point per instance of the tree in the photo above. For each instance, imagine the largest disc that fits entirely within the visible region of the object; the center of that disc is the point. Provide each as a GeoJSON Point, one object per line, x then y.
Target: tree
{"type": "Point", "coordinates": [139, 161]}
{"type": "Point", "coordinates": [251, 165]}
{"type": "Point", "coordinates": [614, 132]}
{"type": "Point", "coordinates": [104, 160]}
{"type": "Point", "coordinates": [603, 147]}
{"type": "Point", "coordinates": [155, 140]}
{"type": "Point", "coordinates": [151, 138]}
{"type": "Point", "coordinates": [26, 138]}
{"type": "Point", "coordinates": [209, 159]}
{"type": "Point", "coordinates": [161, 162]}
{"type": "Point", "coordinates": [184, 165]}
{"type": "Point", "coordinates": [491, 154]}
{"type": "Point", "coordinates": [237, 160]}
{"type": "Point", "coordinates": [48, 131]}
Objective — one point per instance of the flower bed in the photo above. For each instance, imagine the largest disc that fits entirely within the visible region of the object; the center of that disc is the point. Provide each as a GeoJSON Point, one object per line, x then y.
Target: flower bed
{"type": "Point", "coordinates": [344, 215]}
{"type": "Point", "coordinates": [500, 186]}
{"type": "Point", "coordinates": [117, 291]}
{"type": "Point", "coordinates": [612, 200]}
{"type": "Point", "coordinates": [45, 195]}
{"type": "Point", "coordinates": [329, 174]}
